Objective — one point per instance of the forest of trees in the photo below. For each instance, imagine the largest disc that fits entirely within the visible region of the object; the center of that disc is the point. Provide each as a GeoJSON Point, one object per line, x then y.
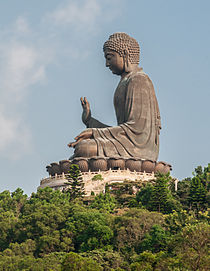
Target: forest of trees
{"type": "Point", "coordinates": [157, 228]}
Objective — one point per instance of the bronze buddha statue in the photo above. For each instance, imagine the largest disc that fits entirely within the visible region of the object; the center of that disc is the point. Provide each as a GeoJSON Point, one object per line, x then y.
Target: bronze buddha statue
{"type": "Point", "coordinates": [138, 119]}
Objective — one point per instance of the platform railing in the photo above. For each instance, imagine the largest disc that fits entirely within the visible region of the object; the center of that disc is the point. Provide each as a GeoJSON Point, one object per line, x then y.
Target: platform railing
{"type": "Point", "coordinates": [107, 173]}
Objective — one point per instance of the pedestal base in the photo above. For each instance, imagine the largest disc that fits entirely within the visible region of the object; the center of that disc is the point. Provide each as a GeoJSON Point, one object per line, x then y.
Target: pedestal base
{"type": "Point", "coordinates": [97, 181]}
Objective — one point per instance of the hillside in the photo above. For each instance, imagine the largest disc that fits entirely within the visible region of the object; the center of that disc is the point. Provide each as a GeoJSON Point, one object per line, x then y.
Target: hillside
{"type": "Point", "coordinates": [155, 229]}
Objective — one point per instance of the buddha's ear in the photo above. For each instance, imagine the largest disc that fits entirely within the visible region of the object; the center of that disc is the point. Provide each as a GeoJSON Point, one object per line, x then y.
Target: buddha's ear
{"type": "Point", "coordinates": [127, 63]}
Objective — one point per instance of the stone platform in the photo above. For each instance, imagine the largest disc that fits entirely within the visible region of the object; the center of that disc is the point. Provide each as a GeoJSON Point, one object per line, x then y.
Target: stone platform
{"type": "Point", "coordinates": [95, 185]}
{"type": "Point", "coordinates": [97, 172]}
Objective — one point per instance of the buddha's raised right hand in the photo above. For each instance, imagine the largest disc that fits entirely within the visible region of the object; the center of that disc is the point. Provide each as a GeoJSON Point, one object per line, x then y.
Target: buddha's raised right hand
{"type": "Point", "coordinates": [86, 114]}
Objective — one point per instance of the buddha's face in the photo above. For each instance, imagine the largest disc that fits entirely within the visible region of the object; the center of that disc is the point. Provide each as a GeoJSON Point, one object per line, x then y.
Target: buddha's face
{"type": "Point", "coordinates": [114, 62]}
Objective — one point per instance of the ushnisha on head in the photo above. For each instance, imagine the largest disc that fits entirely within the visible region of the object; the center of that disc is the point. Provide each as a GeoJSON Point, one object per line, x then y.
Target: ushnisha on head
{"type": "Point", "coordinates": [125, 46]}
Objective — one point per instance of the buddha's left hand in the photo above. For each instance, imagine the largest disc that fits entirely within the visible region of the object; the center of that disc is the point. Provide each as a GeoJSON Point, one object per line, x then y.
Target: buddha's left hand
{"type": "Point", "coordinates": [83, 135]}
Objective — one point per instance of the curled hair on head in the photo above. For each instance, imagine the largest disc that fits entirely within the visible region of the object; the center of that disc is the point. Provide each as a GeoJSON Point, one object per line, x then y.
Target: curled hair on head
{"type": "Point", "coordinates": [122, 42]}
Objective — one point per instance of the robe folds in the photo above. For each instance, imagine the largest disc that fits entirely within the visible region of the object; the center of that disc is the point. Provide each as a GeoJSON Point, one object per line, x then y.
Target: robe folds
{"type": "Point", "coordinates": [138, 121]}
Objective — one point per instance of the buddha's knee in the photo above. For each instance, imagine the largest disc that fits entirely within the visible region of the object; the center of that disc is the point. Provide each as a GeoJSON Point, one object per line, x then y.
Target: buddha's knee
{"type": "Point", "coordinates": [86, 148]}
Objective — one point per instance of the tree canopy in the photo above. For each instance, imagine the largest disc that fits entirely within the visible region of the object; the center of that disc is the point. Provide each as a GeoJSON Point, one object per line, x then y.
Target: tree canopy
{"type": "Point", "coordinates": [156, 229]}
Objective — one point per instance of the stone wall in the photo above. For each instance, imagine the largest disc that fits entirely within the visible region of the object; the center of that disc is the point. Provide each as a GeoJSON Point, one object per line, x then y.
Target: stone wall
{"type": "Point", "coordinates": [97, 186]}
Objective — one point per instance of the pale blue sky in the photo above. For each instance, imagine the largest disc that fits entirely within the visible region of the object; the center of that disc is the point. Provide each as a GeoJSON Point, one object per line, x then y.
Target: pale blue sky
{"type": "Point", "coordinates": [51, 54]}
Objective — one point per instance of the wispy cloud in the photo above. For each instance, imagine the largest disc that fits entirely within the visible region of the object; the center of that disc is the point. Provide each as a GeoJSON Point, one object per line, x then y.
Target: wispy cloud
{"type": "Point", "coordinates": [79, 14]}
{"type": "Point", "coordinates": [21, 65]}
{"type": "Point", "coordinates": [25, 52]}
{"type": "Point", "coordinates": [15, 136]}
{"type": "Point", "coordinates": [85, 16]}
{"type": "Point", "coordinates": [79, 21]}
{"type": "Point", "coordinates": [21, 25]}
{"type": "Point", "coordinates": [21, 68]}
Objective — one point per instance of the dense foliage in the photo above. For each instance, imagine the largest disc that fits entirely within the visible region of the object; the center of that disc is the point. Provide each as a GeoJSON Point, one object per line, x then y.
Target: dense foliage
{"type": "Point", "coordinates": [156, 228]}
{"type": "Point", "coordinates": [75, 183]}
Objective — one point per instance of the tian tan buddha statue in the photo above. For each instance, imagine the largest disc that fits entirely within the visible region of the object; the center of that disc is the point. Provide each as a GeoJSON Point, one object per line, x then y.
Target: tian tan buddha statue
{"type": "Point", "coordinates": [134, 142]}
{"type": "Point", "coordinates": [138, 118]}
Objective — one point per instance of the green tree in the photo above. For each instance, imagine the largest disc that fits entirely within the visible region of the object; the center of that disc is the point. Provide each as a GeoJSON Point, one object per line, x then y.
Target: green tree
{"type": "Point", "coordinates": [48, 195]}
{"type": "Point", "coordinates": [161, 261]}
{"type": "Point", "coordinates": [156, 240]}
{"type": "Point", "coordinates": [144, 195]}
{"type": "Point", "coordinates": [11, 205]}
{"type": "Point", "coordinates": [199, 191]}
{"type": "Point", "coordinates": [10, 261]}
{"type": "Point", "coordinates": [25, 248]}
{"type": "Point", "coordinates": [197, 194]}
{"type": "Point", "coordinates": [182, 193]}
{"type": "Point", "coordinates": [8, 223]}
{"type": "Point", "coordinates": [91, 228]}
{"type": "Point", "coordinates": [104, 202]}
{"type": "Point", "coordinates": [161, 197]}
{"type": "Point", "coordinates": [108, 259]}
{"type": "Point", "coordinates": [97, 177]}
{"type": "Point", "coordinates": [43, 219]}
{"type": "Point", "coordinates": [18, 199]}
{"type": "Point", "coordinates": [131, 228]}
{"type": "Point", "coordinates": [45, 225]}
{"type": "Point", "coordinates": [160, 193]}
{"type": "Point", "coordinates": [12, 201]}
{"type": "Point", "coordinates": [204, 174]}
{"type": "Point", "coordinates": [192, 247]}
{"type": "Point", "coordinates": [75, 182]}
{"type": "Point", "coordinates": [75, 262]}
{"type": "Point", "coordinates": [176, 221]}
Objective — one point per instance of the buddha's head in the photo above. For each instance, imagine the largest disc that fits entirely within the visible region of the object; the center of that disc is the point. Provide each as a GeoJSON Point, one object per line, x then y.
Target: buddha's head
{"type": "Point", "coordinates": [122, 53]}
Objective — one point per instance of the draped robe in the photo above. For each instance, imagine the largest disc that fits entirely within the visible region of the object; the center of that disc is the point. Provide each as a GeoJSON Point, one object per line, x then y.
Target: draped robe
{"type": "Point", "coordinates": [138, 121]}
